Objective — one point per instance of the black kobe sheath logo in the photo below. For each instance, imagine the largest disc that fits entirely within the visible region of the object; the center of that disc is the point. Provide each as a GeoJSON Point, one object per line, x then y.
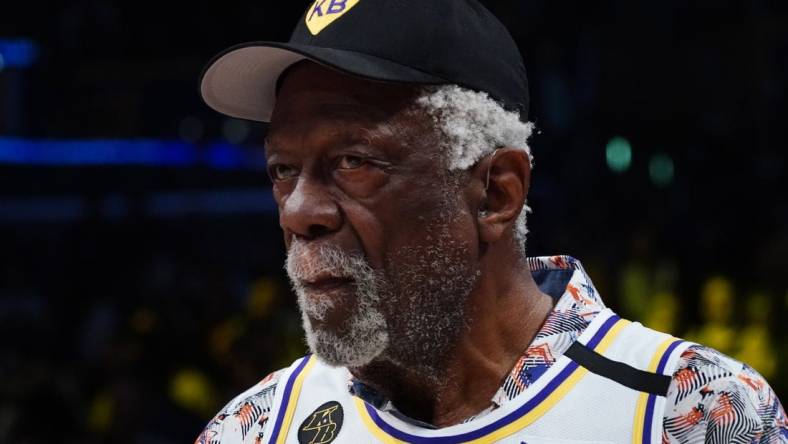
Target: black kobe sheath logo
{"type": "Point", "coordinates": [322, 426]}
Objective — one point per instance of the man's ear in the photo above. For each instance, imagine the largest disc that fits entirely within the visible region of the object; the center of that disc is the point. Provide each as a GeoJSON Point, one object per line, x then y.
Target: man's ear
{"type": "Point", "coordinates": [504, 176]}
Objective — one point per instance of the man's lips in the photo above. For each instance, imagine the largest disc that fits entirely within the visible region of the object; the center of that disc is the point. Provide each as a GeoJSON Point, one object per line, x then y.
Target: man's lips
{"type": "Point", "coordinates": [326, 283]}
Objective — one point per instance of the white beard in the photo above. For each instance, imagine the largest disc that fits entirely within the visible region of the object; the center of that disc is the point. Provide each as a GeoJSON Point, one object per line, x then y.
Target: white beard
{"type": "Point", "coordinates": [366, 334]}
{"type": "Point", "coordinates": [411, 316]}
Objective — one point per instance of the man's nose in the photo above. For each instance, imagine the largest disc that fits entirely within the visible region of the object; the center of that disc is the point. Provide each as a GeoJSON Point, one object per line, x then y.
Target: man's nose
{"type": "Point", "coordinates": [309, 210]}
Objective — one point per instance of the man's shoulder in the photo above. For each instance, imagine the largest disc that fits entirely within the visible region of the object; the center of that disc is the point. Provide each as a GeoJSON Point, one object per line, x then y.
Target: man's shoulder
{"type": "Point", "coordinates": [704, 369]}
{"type": "Point", "coordinates": [245, 415]}
{"type": "Point", "coordinates": [717, 398]}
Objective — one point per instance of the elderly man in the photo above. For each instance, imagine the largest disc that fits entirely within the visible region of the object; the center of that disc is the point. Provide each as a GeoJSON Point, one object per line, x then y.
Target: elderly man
{"type": "Point", "coordinates": [398, 153]}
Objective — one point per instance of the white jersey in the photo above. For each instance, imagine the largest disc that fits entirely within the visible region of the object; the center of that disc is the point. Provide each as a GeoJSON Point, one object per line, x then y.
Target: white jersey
{"type": "Point", "coordinates": [609, 387]}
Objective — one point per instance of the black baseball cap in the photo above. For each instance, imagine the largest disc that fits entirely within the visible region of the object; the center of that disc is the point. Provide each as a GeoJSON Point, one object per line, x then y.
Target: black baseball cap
{"type": "Point", "coordinates": [411, 41]}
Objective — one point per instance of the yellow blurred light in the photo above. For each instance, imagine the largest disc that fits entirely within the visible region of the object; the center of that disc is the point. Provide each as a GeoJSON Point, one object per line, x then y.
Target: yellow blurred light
{"type": "Point", "coordinates": [758, 308]}
{"type": "Point", "coordinates": [663, 313]}
{"type": "Point", "coordinates": [191, 390]}
{"type": "Point", "coordinates": [719, 336]}
{"type": "Point", "coordinates": [143, 320]}
{"type": "Point", "coordinates": [262, 297]}
{"type": "Point", "coordinates": [717, 300]}
{"type": "Point", "coordinates": [756, 349]}
{"type": "Point", "coordinates": [101, 412]}
{"type": "Point", "coordinates": [635, 290]}
{"type": "Point", "coordinates": [225, 334]}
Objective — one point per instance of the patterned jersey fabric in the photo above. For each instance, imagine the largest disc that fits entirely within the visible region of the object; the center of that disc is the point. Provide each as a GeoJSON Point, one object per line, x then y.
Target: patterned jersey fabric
{"type": "Point", "coordinates": [712, 398]}
{"type": "Point", "coordinates": [248, 412]}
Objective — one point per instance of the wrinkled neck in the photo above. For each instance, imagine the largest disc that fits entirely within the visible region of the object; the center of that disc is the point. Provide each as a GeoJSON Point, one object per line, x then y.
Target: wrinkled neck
{"type": "Point", "coordinates": [505, 310]}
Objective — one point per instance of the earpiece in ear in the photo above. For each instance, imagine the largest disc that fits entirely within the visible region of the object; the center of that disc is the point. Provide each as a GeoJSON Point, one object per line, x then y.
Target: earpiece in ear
{"type": "Point", "coordinates": [483, 210]}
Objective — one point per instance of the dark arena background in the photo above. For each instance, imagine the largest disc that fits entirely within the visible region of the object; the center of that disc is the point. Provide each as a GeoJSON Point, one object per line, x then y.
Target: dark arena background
{"type": "Point", "coordinates": [141, 281]}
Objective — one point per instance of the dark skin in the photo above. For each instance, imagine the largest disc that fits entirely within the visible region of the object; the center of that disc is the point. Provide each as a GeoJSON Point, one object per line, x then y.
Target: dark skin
{"type": "Point", "coordinates": [351, 169]}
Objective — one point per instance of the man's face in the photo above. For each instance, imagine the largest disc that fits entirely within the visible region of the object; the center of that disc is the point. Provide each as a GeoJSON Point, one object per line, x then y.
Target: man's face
{"type": "Point", "coordinates": [382, 249]}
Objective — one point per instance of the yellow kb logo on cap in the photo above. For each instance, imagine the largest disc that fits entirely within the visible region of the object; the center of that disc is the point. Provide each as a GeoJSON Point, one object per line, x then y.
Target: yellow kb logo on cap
{"type": "Point", "coordinates": [323, 12]}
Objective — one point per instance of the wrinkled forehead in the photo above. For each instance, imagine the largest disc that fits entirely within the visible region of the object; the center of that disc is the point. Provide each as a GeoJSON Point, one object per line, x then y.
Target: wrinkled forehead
{"type": "Point", "coordinates": [316, 99]}
{"type": "Point", "coordinates": [309, 90]}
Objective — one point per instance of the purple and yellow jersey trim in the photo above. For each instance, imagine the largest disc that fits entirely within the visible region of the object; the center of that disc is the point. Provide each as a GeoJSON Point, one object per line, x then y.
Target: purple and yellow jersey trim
{"type": "Point", "coordinates": [644, 410]}
{"type": "Point", "coordinates": [292, 390]}
{"type": "Point", "coordinates": [547, 397]}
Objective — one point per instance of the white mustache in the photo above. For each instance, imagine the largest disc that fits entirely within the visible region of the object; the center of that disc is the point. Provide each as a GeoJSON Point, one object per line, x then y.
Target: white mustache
{"type": "Point", "coordinates": [306, 263]}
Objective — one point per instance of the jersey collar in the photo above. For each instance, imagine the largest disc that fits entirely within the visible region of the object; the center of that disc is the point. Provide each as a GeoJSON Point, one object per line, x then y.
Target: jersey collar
{"type": "Point", "coordinates": [577, 303]}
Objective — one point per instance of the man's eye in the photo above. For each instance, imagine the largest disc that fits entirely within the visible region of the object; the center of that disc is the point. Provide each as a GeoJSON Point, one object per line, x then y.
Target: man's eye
{"type": "Point", "coordinates": [282, 171]}
{"type": "Point", "coordinates": [350, 162]}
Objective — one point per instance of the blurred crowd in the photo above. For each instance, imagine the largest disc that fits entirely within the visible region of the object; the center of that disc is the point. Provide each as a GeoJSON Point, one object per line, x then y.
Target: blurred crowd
{"type": "Point", "coordinates": [109, 340]}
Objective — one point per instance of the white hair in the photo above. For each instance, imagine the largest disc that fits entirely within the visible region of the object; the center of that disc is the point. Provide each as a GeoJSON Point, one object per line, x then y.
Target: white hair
{"type": "Point", "coordinates": [474, 125]}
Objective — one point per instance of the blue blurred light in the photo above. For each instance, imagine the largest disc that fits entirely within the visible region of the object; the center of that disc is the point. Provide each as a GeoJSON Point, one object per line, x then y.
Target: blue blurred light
{"type": "Point", "coordinates": [116, 207]}
{"type": "Point", "coordinates": [180, 204]}
{"type": "Point", "coordinates": [18, 53]}
{"type": "Point", "coordinates": [224, 156]}
{"type": "Point", "coordinates": [44, 209]}
{"type": "Point", "coordinates": [141, 152]}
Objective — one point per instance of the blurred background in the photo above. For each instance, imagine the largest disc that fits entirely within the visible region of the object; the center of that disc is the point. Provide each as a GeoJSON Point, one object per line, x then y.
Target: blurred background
{"type": "Point", "coordinates": [141, 282]}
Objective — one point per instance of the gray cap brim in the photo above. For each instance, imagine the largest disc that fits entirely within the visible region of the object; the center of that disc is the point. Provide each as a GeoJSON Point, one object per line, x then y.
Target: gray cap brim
{"type": "Point", "coordinates": [241, 81]}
